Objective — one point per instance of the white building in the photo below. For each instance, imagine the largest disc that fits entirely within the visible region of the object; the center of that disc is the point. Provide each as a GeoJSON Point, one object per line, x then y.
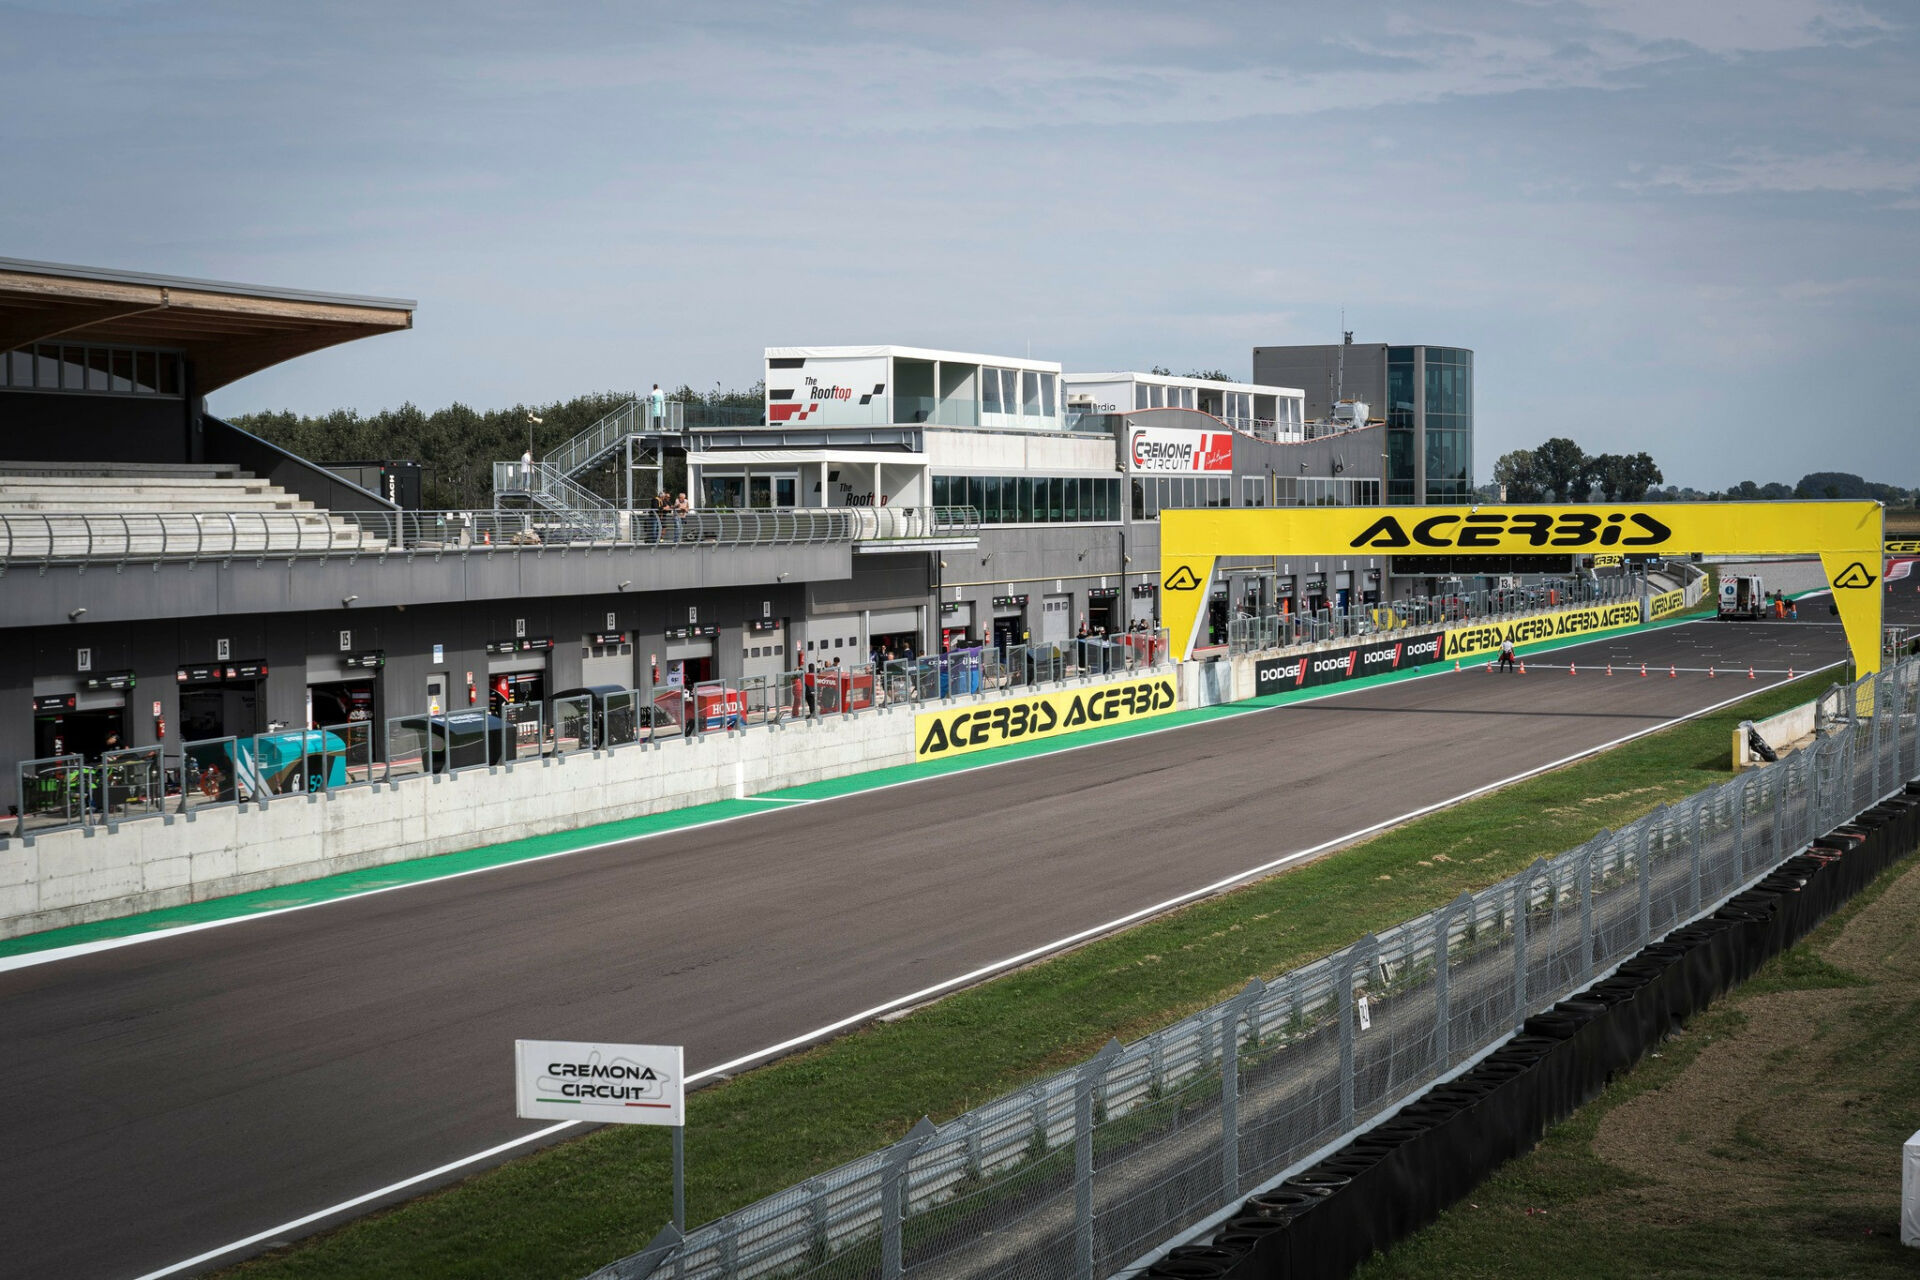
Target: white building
{"type": "Point", "coordinates": [1272, 413]}
{"type": "Point", "coordinates": [864, 386]}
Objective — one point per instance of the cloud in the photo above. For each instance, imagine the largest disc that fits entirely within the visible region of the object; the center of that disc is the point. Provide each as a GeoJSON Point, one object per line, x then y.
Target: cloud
{"type": "Point", "coordinates": [1851, 171]}
{"type": "Point", "coordinates": [1752, 26]}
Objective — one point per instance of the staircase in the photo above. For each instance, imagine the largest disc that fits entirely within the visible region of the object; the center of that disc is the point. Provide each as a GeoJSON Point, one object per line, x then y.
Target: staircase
{"type": "Point", "coordinates": [551, 483]}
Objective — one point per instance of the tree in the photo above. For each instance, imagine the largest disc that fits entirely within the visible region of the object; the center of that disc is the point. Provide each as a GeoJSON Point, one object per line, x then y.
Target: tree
{"type": "Point", "coordinates": [1515, 471]}
{"type": "Point", "coordinates": [1774, 491]}
{"type": "Point", "coordinates": [1562, 469]}
{"type": "Point", "coordinates": [1628, 476]}
{"type": "Point", "coordinates": [1209, 375]}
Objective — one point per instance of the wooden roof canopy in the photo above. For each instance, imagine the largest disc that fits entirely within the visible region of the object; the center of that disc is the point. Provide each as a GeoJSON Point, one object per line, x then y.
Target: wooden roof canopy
{"type": "Point", "coordinates": [227, 330]}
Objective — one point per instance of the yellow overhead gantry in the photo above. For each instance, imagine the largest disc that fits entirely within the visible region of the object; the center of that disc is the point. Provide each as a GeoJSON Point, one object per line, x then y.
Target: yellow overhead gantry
{"type": "Point", "coordinates": [1846, 535]}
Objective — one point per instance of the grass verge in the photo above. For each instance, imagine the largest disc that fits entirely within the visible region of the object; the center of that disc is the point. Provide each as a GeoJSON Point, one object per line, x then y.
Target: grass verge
{"type": "Point", "coordinates": [1763, 1140]}
{"type": "Point", "coordinates": [567, 1209]}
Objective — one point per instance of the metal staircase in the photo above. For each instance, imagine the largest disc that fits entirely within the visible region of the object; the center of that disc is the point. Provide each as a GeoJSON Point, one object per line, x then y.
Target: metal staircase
{"type": "Point", "coordinates": [550, 483]}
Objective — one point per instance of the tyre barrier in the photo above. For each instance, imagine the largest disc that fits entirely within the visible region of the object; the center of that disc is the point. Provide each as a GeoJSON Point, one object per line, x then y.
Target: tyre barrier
{"type": "Point", "coordinates": [1397, 1177]}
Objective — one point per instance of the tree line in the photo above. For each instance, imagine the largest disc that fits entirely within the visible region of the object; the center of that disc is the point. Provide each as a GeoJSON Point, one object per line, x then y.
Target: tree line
{"type": "Point", "coordinates": [457, 446]}
{"type": "Point", "coordinates": [1560, 471]}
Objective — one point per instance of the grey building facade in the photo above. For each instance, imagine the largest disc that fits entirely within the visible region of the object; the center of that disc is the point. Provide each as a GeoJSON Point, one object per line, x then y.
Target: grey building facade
{"type": "Point", "coordinates": [1424, 394]}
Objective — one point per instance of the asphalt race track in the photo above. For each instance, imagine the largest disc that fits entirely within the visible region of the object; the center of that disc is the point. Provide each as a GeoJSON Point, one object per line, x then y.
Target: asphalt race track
{"type": "Point", "coordinates": [175, 1095]}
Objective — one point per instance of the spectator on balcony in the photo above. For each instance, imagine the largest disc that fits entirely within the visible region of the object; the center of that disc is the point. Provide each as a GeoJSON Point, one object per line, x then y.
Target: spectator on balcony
{"type": "Point", "coordinates": [657, 407]}
{"type": "Point", "coordinates": [681, 510]}
{"type": "Point", "coordinates": [662, 512]}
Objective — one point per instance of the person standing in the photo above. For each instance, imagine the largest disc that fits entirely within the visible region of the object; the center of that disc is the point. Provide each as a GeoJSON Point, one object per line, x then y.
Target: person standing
{"type": "Point", "coordinates": [526, 468]}
{"type": "Point", "coordinates": [1506, 654]}
{"type": "Point", "coordinates": [681, 510]}
{"type": "Point", "coordinates": [657, 407]}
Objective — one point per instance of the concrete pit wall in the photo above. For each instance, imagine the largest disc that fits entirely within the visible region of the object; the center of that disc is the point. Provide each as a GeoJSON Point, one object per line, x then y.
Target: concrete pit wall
{"type": "Point", "coordinates": [75, 876]}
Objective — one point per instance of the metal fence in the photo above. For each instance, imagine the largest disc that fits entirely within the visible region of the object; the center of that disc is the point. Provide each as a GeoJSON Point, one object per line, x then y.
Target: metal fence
{"type": "Point", "coordinates": [1247, 633]}
{"type": "Point", "coordinates": [74, 537]}
{"type": "Point", "coordinates": [68, 790]}
{"type": "Point", "coordinates": [1088, 1172]}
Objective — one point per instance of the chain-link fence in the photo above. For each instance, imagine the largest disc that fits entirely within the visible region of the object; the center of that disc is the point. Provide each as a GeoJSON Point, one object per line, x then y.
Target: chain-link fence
{"type": "Point", "coordinates": [1249, 633]}
{"type": "Point", "coordinates": [1084, 1174]}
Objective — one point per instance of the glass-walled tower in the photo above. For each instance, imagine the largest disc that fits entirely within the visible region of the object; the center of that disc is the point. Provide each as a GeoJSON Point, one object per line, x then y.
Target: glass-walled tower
{"type": "Point", "coordinates": [1429, 425]}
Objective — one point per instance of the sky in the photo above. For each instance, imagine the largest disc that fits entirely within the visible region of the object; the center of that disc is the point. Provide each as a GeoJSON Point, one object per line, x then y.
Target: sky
{"type": "Point", "coordinates": [1663, 225]}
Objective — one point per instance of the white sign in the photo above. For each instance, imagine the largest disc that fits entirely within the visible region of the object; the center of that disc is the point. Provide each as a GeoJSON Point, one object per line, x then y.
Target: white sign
{"type": "Point", "coordinates": [519, 628]}
{"type": "Point", "coordinates": [1366, 1015]}
{"type": "Point", "coordinates": [439, 654]}
{"type": "Point", "coordinates": [346, 641]}
{"type": "Point", "coordinates": [1179, 451]}
{"type": "Point", "coordinates": [612, 625]}
{"type": "Point", "coordinates": [222, 650]}
{"type": "Point", "coordinates": [599, 1083]}
{"type": "Point", "coordinates": [83, 660]}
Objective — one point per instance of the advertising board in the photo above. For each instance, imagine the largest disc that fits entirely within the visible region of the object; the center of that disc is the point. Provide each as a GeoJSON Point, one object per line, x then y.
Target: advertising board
{"type": "Point", "coordinates": [1847, 536]}
{"type": "Point", "coordinates": [599, 1083]}
{"type": "Point", "coordinates": [1347, 662]}
{"type": "Point", "coordinates": [939, 734]}
{"type": "Point", "coordinates": [1666, 604]}
{"type": "Point", "coordinates": [1471, 641]}
{"type": "Point", "coordinates": [1178, 451]}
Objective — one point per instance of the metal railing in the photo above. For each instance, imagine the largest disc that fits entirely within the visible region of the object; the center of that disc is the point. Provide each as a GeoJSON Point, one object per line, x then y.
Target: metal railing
{"type": "Point", "coordinates": [1087, 1172]}
{"type": "Point", "coordinates": [546, 484]}
{"type": "Point", "coordinates": [216, 535]}
{"type": "Point", "coordinates": [603, 437]}
{"type": "Point", "coordinates": [66, 791]}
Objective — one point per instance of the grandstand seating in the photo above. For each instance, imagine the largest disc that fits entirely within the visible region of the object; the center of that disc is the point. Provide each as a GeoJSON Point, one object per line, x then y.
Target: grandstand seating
{"type": "Point", "coordinates": [90, 510]}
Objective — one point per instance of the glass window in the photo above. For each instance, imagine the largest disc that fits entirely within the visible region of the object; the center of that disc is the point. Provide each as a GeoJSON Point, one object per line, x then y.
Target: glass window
{"type": "Point", "coordinates": [976, 494]}
{"type": "Point", "coordinates": [1139, 499]}
{"type": "Point", "coordinates": [97, 363]}
{"type": "Point", "coordinates": [169, 374]}
{"type": "Point", "coordinates": [21, 374]}
{"type": "Point", "coordinates": [1157, 396]}
{"type": "Point", "coordinates": [784, 488]}
{"type": "Point", "coordinates": [724, 493]}
{"type": "Point", "coordinates": [1046, 395]}
{"type": "Point", "coordinates": [1070, 503]}
{"type": "Point", "coordinates": [1030, 393]}
{"type": "Point", "coordinates": [760, 492]}
{"type": "Point", "coordinates": [940, 492]}
{"type": "Point", "coordinates": [990, 512]}
{"type": "Point", "coordinates": [1009, 391]}
{"type": "Point", "coordinates": [123, 371]}
{"type": "Point", "coordinates": [144, 378]}
{"type": "Point", "coordinates": [990, 391]}
{"type": "Point", "coordinates": [1056, 499]}
{"type": "Point", "coordinates": [48, 378]}
{"type": "Point", "coordinates": [1140, 395]}
{"type": "Point", "coordinates": [1025, 515]}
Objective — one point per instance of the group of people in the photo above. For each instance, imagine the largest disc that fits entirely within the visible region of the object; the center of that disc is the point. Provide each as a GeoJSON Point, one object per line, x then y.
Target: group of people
{"type": "Point", "coordinates": [1785, 608]}
{"type": "Point", "coordinates": [667, 507]}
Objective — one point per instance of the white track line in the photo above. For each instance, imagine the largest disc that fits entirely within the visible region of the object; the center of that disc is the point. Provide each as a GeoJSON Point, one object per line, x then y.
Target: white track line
{"type": "Point", "coordinates": [926, 993]}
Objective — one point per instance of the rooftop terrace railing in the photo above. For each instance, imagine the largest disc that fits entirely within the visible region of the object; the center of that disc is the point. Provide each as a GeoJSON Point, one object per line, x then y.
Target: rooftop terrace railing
{"type": "Point", "coordinates": [55, 538]}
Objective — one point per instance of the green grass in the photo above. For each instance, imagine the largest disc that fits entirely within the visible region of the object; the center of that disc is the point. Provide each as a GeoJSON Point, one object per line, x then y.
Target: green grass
{"type": "Point", "coordinates": [1804, 1180]}
{"type": "Point", "coordinates": [565, 1210]}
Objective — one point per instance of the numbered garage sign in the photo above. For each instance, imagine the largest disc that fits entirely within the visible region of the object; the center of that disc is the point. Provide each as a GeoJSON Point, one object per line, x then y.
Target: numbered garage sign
{"type": "Point", "coordinates": [599, 1083]}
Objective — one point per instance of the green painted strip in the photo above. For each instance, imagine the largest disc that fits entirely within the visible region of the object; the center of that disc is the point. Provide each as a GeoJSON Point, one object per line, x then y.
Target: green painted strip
{"type": "Point", "coordinates": [350, 884]}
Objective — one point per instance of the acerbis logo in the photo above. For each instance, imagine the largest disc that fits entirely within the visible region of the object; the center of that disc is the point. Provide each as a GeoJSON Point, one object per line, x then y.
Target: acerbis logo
{"type": "Point", "coordinates": [1493, 532]}
{"type": "Point", "coordinates": [1855, 577]}
{"type": "Point", "coordinates": [1182, 579]}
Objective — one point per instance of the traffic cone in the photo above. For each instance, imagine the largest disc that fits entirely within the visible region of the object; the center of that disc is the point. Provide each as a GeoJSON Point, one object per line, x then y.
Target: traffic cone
{"type": "Point", "coordinates": [1456, 664]}
{"type": "Point", "coordinates": [1573, 669]}
{"type": "Point", "coordinates": [1710, 674]}
{"type": "Point", "coordinates": [1789, 673]}
{"type": "Point", "coordinates": [1643, 669]}
{"type": "Point", "coordinates": [1523, 666]}
{"type": "Point", "coordinates": [1609, 668]}
{"type": "Point", "coordinates": [1750, 674]}
{"type": "Point", "coordinates": [1673, 672]}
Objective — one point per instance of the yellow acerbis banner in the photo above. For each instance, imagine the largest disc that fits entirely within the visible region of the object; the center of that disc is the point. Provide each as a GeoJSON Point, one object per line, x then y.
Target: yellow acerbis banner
{"type": "Point", "coordinates": [1470, 641]}
{"type": "Point", "coordinates": [1847, 536]}
{"type": "Point", "coordinates": [1667, 603]}
{"type": "Point", "coordinates": [937, 734]}
{"type": "Point", "coordinates": [1903, 546]}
